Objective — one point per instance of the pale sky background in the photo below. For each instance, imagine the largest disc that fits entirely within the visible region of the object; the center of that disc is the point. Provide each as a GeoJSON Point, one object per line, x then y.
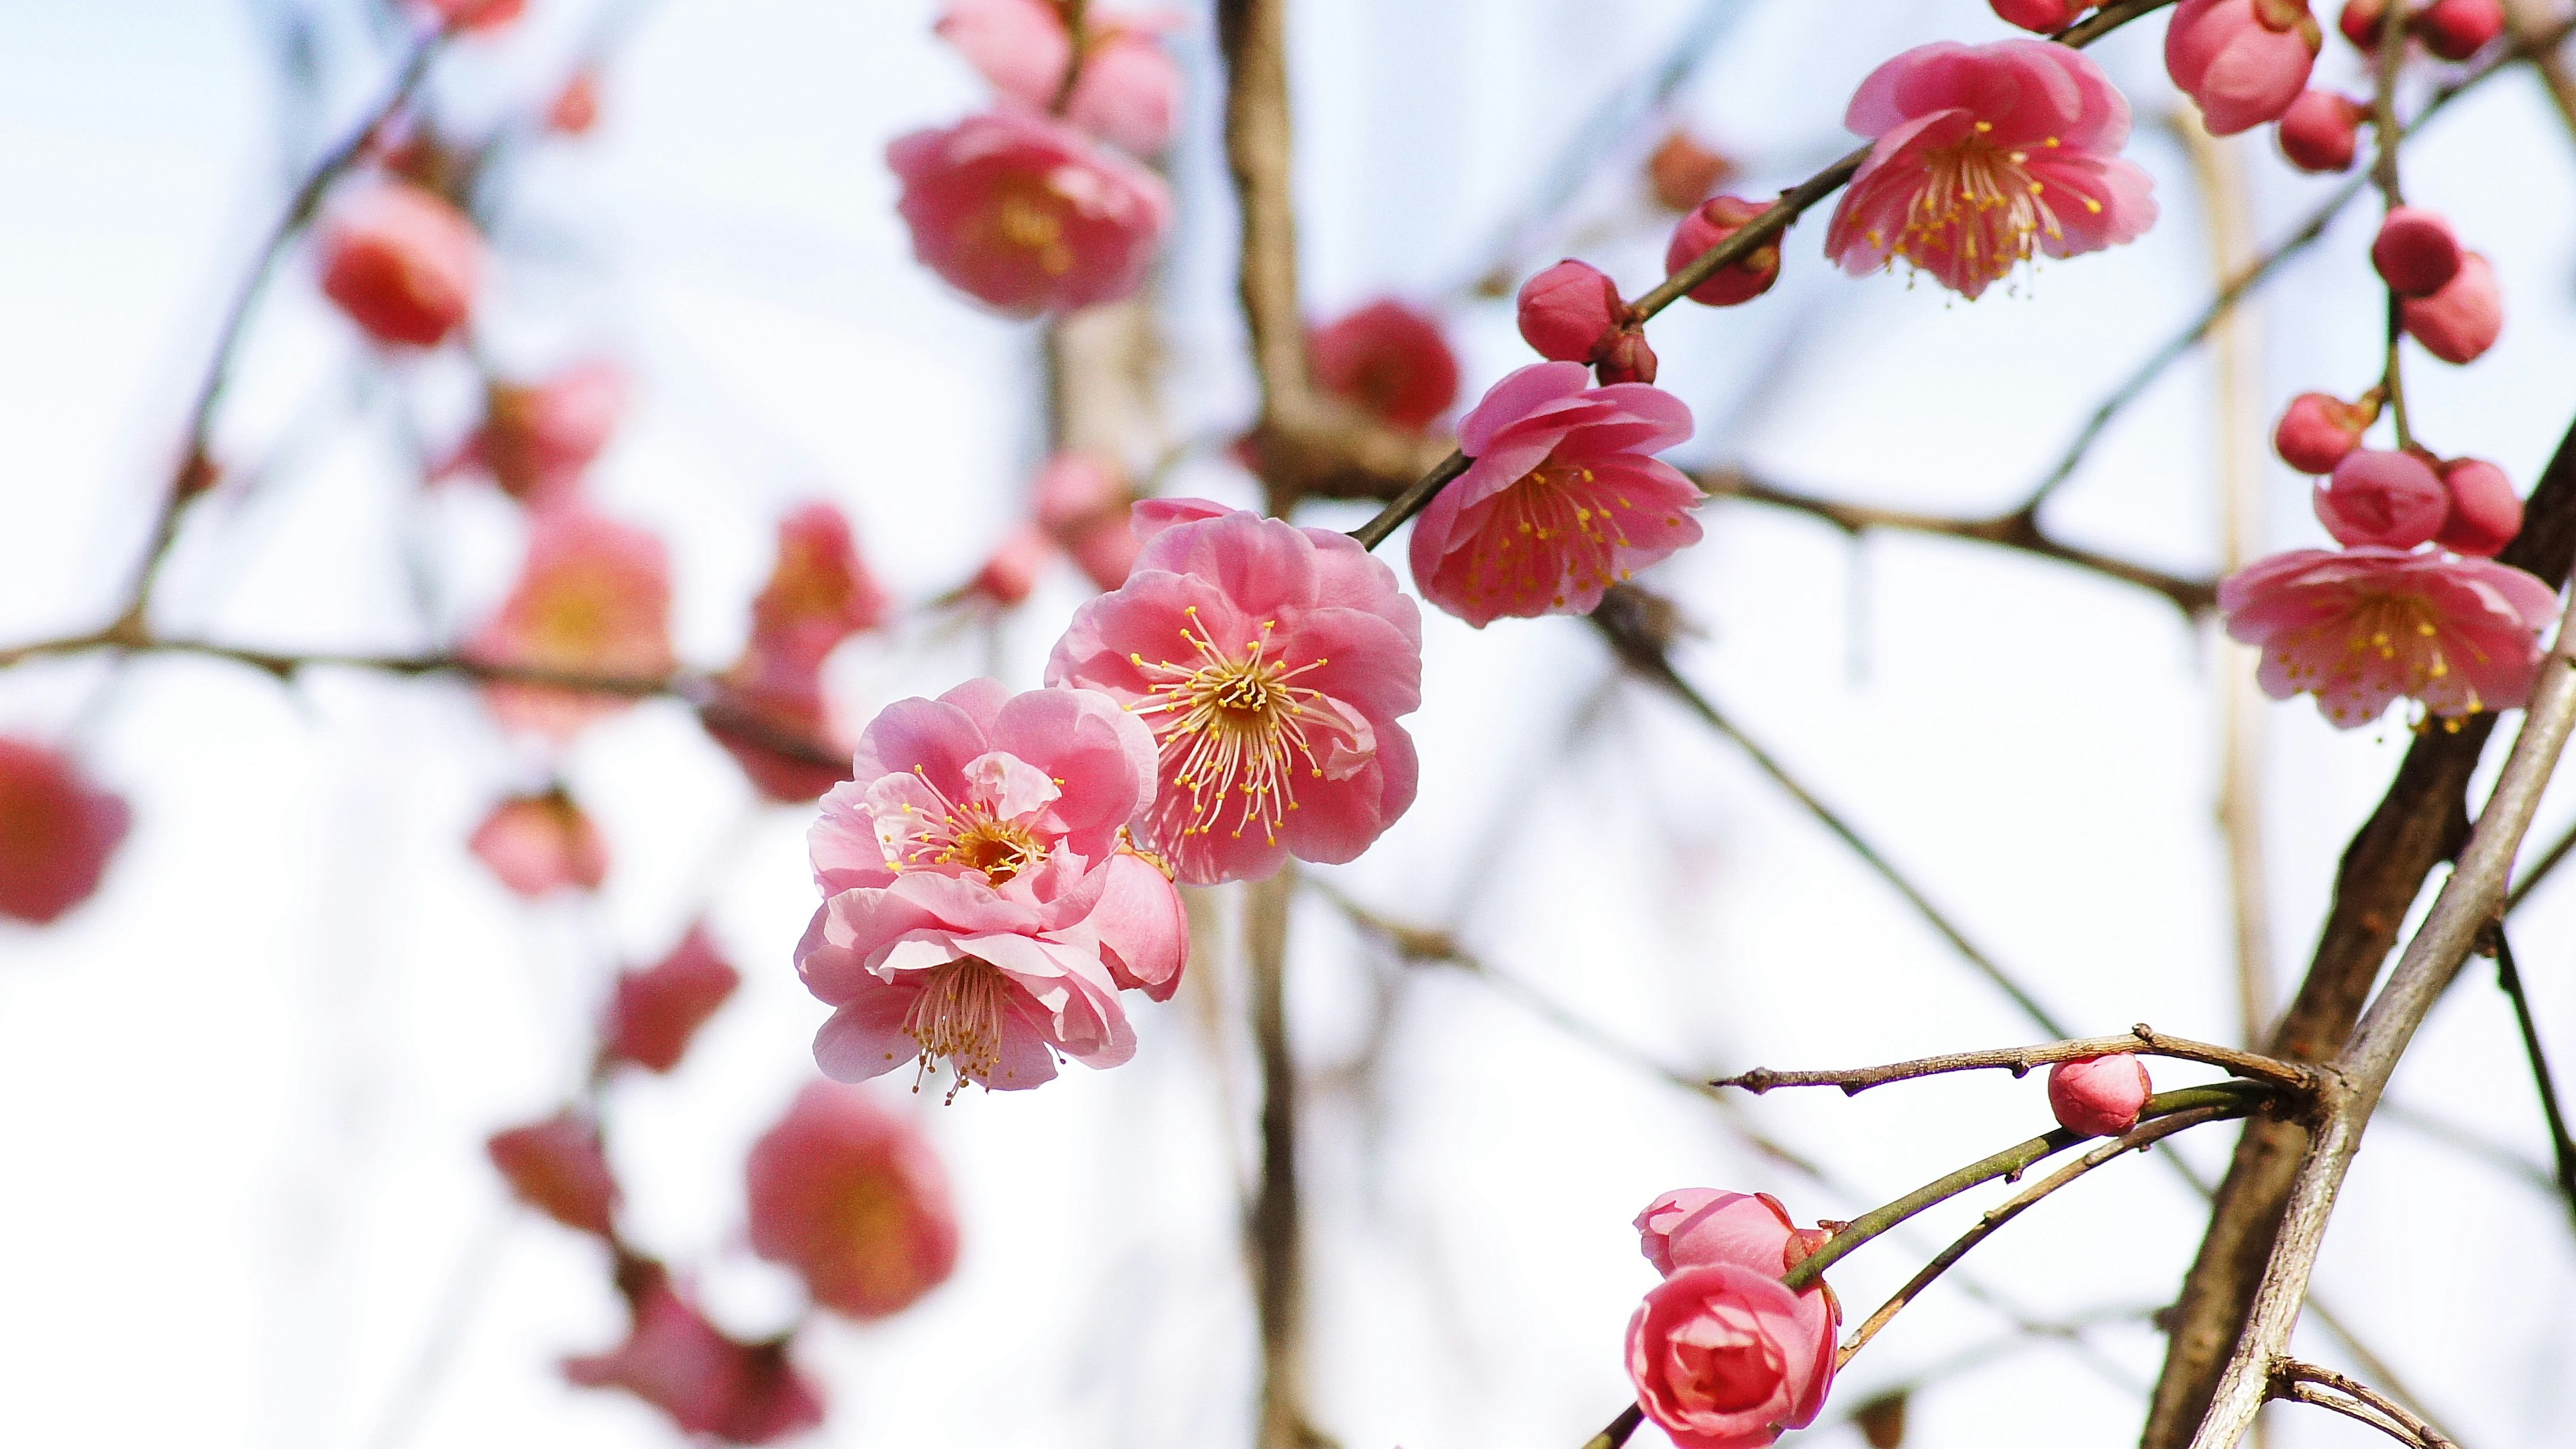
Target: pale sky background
{"type": "Point", "coordinates": [243, 1092]}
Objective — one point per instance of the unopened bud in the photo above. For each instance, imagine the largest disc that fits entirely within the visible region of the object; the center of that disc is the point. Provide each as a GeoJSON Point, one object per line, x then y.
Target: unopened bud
{"type": "Point", "coordinates": [2098, 1096]}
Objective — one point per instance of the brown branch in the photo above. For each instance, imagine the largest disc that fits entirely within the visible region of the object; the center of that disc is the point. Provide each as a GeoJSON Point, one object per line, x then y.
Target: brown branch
{"type": "Point", "coordinates": [1273, 1231]}
{"type": "Point", "coordinates": [2297, 1381]}
{"type": "Point", "coordinates": [2537, 33]}
{"type": "Point", "coordinates": [2562, 1146]}
{"type": "Point", "coordinates": [1620, 1428]}
{"type": "Point", "coordinates": [2142, 1040]}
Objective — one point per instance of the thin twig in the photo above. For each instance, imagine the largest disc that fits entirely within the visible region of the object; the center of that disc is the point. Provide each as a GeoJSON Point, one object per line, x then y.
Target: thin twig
{"type": "Point", "coordinates": [2383, 174]}
{"type": "Point", "coordinates": [1273, 1230]}
{"type": "Point", "coordinates": [2142, 1040]}
{"type": "Point", "coordinates": [2290, 1377]}
{"type": "Point", "coordinates": [2530, 880]}
{"type": "Point", "coordinates": [2509, 976]}
{"type": "Point", "coordinates": [1620, 1428]}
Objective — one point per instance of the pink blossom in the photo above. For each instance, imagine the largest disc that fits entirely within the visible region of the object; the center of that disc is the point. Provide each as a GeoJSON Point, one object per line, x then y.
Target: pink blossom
{"type": "Point", "coordinates": [2359, 627]}
{"type": "Point", "coordinates": [576, 107]}
{"type": "Point", "coordinates": [2321, 131]}
{"type": "Point", "coordinates": [1723, 1357]}
{"type": "Point", "coordinates": [2317, 430]}
{"type": "Point", "coordinates": [1563, 498]}
{"type": "Point", "coordinates": [1026, 214]}
{"type": "Point", "coordinates": [1389, 360]}
{"type": "Point", "coordinates": [2486, 513]}
{"type": "Point", "coordinates": [2045, 16]}
{"type": "Point", "coordinates": [538, 441]}
{"type": "Point", "coordinates": [819, 593]}
{"type": "Point", "coordinates": [1703, 1225]}
{"type": "Point", "coordinates": [1682, 172]}
{"type": "Point", "coordinates": [1713, 222]}
{"type": "Point", "coordinates": [975, 911]}
{"type": "Point", "coordinates": [593, 598]}
{"type": "Point", "coordinates": [57, 832]}
{"type": "Point", "coordinates": [1021, 46]}
{"type": "Point", "coordinates": [1012, 569]}
{"type": "Point", "coordinates": [852, 1197]}
{"type": "Point", "coordinates": [401, 261]}
{"type": "Point", "coordinates": [2390, 500]}
{"type": "Point", "coordinates": [1570, 311]}
{"type": "Point", "coordinates": [2460, 322]}
{"type": "Point", "coordinates": [656, 1012]}
{"type": "Point", "coordinates": [1129, 93]}
{"type": "Point", "coordinates": [675, 1360]}
{"type": "Point", "coordinates": [474, 16]}
{"type": "Point", "coordinates": [2241, 68]}
{"type": "Point", "coordinates": [2416, 252]}
{"type": "Point", "coordinates": [2458, 29]}
{"type": "Point", "coordinates": [558, 1167]}
{"type": "Point", "coordinates": [540, 844]}
{"type": "Point", "coordinates": [2099, 1096]}
{"type": "Point", "coordinates": [1986, 156]}
{"type": "Point", "coordinates": [1082, 504]}
{"type": "Point", "coordinates": [1272, 663]}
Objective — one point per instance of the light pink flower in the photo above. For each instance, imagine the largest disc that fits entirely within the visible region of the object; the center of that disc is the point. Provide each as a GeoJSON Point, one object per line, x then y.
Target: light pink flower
{"type": "Point", "coordinates": [2460, 322]}
{"type": "Point", "coordinates": [401, 261]}
{"type": "Point", "coordinates": [593, 598]}
{"type": "Point", "coordinates": [1021, 46]}
{"type": "Point", "coordinates": [1026, 214]}
{"type": "Point", "coordinates": [57, 832]}
{"type": "Point", "coordinates": [1723, 1357]}
{"type": "Point", "coordinates": [2416, 252]}
{"type": "Point", "coordinates": [2242, 69]}
{"type": "Point", "coordinates": [819, 593]}
{"type": "Point", "coordinates": [1012, 569]}
{"type": "Point", "coordinates": [852, 1197]}
{"type": "Point", "coordinates": [1563, 497]}
{"type": "Point", "coordinates": [2318, 430]}
{"type": "Point", "coordinates": [1388, 359]}
{"type": "Point", "coordinates": [2359, 627]}
{"type": "Point", "coordinates": [1273, 663]}
{"type": "Point", "coordinates": [2485, 513]}
{"type": "Point", "coordinates": [1712, 222]}
{"type": "Point", "coordinates": [656, 1012]}
{"type": "Point", "coordinates": [2321, 131]}
{"type": "Point", "coordinates": [1129, 93]}
{"type": "Point", "coordinates": [1987, 155]}
{"type": "Point", "coordinates": [675, 1360]}
{"type": "Point", "coordinates": [558, 1167]}
{"type": "Point", "coordinates": [2099, 1096]}
{"type": "Point", "coordinates": [1704, 1225]}
{"type": "Point", "coordinates": [538, 441]}
{"type": "Point", "coordinates": [2385, 499]}
{"type": "Point", "coordinates": [1082, 504]}
{"type": "Point", "coordinates": [540, 844]}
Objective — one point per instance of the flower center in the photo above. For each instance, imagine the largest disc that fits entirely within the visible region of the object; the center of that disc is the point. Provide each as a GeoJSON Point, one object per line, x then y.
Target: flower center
{"type": "Point", "coordinates": [998, 848]}
{"type": "Point", "coordinates": [965, 833]}
{"type": "Point", "coordinates": [1027, 214]}
{"type": "Point", "coordinates": [1553, 524]}
{"type": "Point", "coordinates": [1234, 728]}
{"type": "Point", "coordinates": [2395, 639]}
{"type": "Point", "coordinates": [1980, 212]}
{"type": "Point", "coordinates": [957, 1015]}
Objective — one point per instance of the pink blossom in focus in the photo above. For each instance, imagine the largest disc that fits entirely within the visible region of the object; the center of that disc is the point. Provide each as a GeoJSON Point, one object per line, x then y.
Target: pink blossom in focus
{"type": "Point", "coordinates": [2240, 68]}
{"type": "Point", "coordinates": [1563, 497]}
{"type": "Point", "coordinates": [1388, 359]}
{"type": "Point", "coordinates": [57, 832]}
{"type": "Point", "coordinates": [2098, 1096]}
{"type": "Point", "coordinates": [558, 1167]}
{"type": "Point", "coordinates": [538, 441]}
{"type": "Point", "coordinates": [1713, 222]}
{"type": "Point", "coordinates": [1703, 1225]}
{"type": "Point", "coordinates": [2321, 131]}
{"type": "Point", "coordinates": [2458, 29]}
{"type": "Point", "coordinates": [2044, 16]}
{"type": "Point", "coordinates": [2359, 627]}
{"type": "Point", "coordinates": [1569, 311]}
{"type": "Point", "coordinates": [2460, 322]}
{"type": "Point", "coordinates": [1986, 156]}
{"type": "Point", "coordinates": [540, 844]}
{"type": "Point", "coordinates": [1026, 214]}
{"type": "Point", "coordinates": [1682, 172]}
{"type": "Point", "coordinates": [656, 1012]}
{"type": "Point", "coordinates": [593, 598]}
{"type": "Point", "coordinates": [2317, 430]}
{"type": "Point", "coordinates": [678, 1362]}
{"type": "Point", "coordinates": [2382, 499]}
{"type": "Point", "coordinates": [2485, 513]}
{"type": "Point", "coordinates": [401, 261]}
{"type": "Point", "coordinates": [1723, 1357]}
{"type": "Point", "coordinates": [852, 1197]}
{"type": "Point", "coordinates": [2416, 252]}
{"type": "Point", "coordinates": [1273, 664]}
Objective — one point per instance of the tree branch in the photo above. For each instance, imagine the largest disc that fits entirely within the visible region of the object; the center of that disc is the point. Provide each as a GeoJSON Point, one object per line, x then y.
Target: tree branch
{"type": "Point", "coordinates": [2562, 1147]}
{"type": "Point", "coordinates": [1273, 1231]}
{"type": "Point", "coordinates": [2142, 1040]}
{"type": "Point", "coordinates": [2297, 1381]}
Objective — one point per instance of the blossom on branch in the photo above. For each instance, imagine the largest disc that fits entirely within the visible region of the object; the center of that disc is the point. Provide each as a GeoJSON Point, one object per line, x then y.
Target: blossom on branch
{"type": "Point", "coordinates": [2359, 627]}
{"type": "Point", "coordinates": [593, 598]}
{"type": "Point", "coordinates": [1027, 215]}
{"type": "Point", "coordinates": [1388, 359]}
{"type": "Point", "coordinates": [1081, 503]}
{"type": "Point", "coordinates": [852, 1197]}
{"type": "Point", "coordinates": [1129, 92]}
{"type": "Point", "coordinates": [2485, 513]}
{"type": "Point", "coordinates": [538, 440]}
{"type": "Point", "coordinates": [675, 1360]}
{"type": "Point", "coordinates": [656, 1012]}
{"type": "Point", "coordinates": [401, 262]}
{"type": "Point", "coordinates": [2099, 1096]}
{"type": "Point", "coordinates": [2382, 499]}
{"type": "Point", "coordinates": [1722, 1354]}
{"type": "Point", "coordinates": [1987, 156]}
{"type": "Point", "coordinates": [1712, 222]}
{"type": "Point", "coordinates": [539, 844]}
{"type": "Point", "coordinates": [558, 1167]}
{"type": "Point", "coordinates": [2461, 321]}
{"type": "Point", "coordinates": [2319, 430]}
{"type": "Point", "coordinates": [2321, 131]}
{"type": "Point", "coordinates": [57, 832]}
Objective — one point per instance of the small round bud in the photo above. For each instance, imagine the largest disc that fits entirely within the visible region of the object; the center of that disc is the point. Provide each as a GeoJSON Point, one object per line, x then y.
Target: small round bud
{"type": "Point", "coordinates": [1569, 311]}
{"type": "Point", "coordinates": [2317, 430]}
{"type": "Point", "coordinates": [2458, 29]}
{"type": "Point", "coordinates": [1625, 357]}
{"type": "Point", "coordinates": [2460, 322]}
{"type": "Point", "coordinates": [2047, 17]}
{"type": "Point", "coordinates": [2098, 1096]}
{"type": "Point", "coordinates": [1682, 172]}
{"type": "Point", "coordinates": [2320, 131]}
{"type": "Point", "coordinates": [2360, 22]}
{"type": "Point", "coordinates": [2415, 252]}
{"type": "Point", "coordinates": [2383, 500]}
{"type": "Point", "coordinates": [1718, 218]}
{"type": "Point", "coordinates": [2485, 511]}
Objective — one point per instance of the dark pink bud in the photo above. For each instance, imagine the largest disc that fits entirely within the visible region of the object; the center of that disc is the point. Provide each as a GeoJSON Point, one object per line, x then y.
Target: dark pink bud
{"type": "Point", "coordinates": [557, 1167]}
{"type": "Point", "coordinates": [2320, 131]}
{"type": "Point", "coordinates": [2317, 430]}
{"type": "Point", "coordinates": [2384, 500]}
{"type": "Point", "coordinates": [2044, 16]}
{"type": "Point", "coordinates": [1718, 218]}
{"type": "Point", "coordinates": [2460, 322]}
{"type": "Point", "coordinates": [2098, 1096]}
{"type": "Point", "coordinates": [1569, 311]}
{"type": "Point", "coordinates": [2416, 253]}
{"type": "Point", "coordinates": [2458, 29]}
{"type": "Point", "coordinates": [657, 1011]}
{"type": "Point", "coordinates": [2485, 511]}
{"type": "Point", "coordinates": [1390, 360]}
{"type": "Point", "coordinates": [2360, 22]}
{"type": "Point", "coordinates": [56, 832]}
{"type": "Point", "coordinates": [1626, 358]}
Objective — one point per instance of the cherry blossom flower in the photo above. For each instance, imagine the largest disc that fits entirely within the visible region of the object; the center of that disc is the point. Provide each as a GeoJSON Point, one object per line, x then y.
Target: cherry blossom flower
{"type": "Point", "coordinates": [656, 1012]}
{"type": "Point", "coordinates": [678, 1362]}
{"type": "Point", "coordinates": [820, 591]}
{"type": "Point", "coordinates": [593, 598]}
{"type": "Point", "coordinates": [2359, 627]}
{"type": "Point", "coordinates": [2099, 1096]}
{"type": "Point", "coordinates": [57, 832]}
{"type": "Point", "coordinates": [1563, 498]}
{"type": "Point", "coordinates": [1272, 663]}
{"type": "Point", "coordinates": [540, 844]}
{"type": "Point", "coordinates": [1714, 221]}
{"type": "Point", "coordinates": [2460, 322]}
{"type": "Point", "coordinates": [2321, 131]}
{"type": "Point", "coordinates": [1682, 172]}
{"type": "Point", "coordinates": [1389, 360]}
{"type": "Point", "coordinates": [1986, 156]}
{"type": "Point", "coordinates": [2416, 252]}
{"type": "Point", "coordinates": [852, 1197]}
{"type": "Point", "coordinates": [2389, 500]}
{"type": "Point", "coordinates": [401, 261]}
{"type": "Point", "coordinates": [2244, 61]}
{"type": "Point", "coordinates": [2485, 514]}
{"type": "Point", "coordinates": [1026, 215]}
{"type": "Point", "coordinates": [558, 1167]}
{"type": "Point", "coordinates": [1723, 1357]}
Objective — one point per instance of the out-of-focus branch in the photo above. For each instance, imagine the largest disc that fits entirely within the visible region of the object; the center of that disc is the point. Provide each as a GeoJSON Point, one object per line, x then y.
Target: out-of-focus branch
{"type": "Point", "coordinates": [2142, 1040]}
{"type": "Point", "coordinates": [2537, 31]}
{"type": "Point", "coordinates": [2306, 1383]}
{"type": "Point", "coordinates": [2562, 1147]}
{"type": "Point", "coordinates": [1273, 1230]}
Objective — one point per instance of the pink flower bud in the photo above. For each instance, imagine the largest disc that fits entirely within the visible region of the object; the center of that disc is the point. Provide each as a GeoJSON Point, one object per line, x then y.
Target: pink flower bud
{"type": "Point", "coordinates": [539, 844]}
{"type": "Point", "coordinates": [2320, 131]}
{"type": "Point", "coordinates": [2460, 322]}
{"type": "Point", "coordinates": [2485, 511]}
{"type": "Point", "coordinates": [657, 1011]}
{"type": "Point", "coordinates": [576, 107]}
{"type": "Point", "coordinates": [767, 698]}
{"type": "Point", "coordinates": [2044, 16]}
{"type": "Point", "coordinates": [2242, 71]}
{"type": "Point", "coordinates": [1569, 312]}
{"type": "Point", "coordinates": [1073, 489]}
{"type": "Point", "coordinates": [1682, 172]}
{"type": "Point", "coordinates": [1007, 577]}
{"type": "Point", "coordinates": [1723, 1357]}
{"type": "Point", "coordinates": [477, 16]}
{"type": "Point", "coordinates": [2316, 431]}
{"type": "Point", "coordinates": [2382, 500]}
{"type": "Point", "coordinates": [1105, 550]}
{"type": "Point", "coordinates": [2416, 252]}
{"type": "Point", "coordinates": [2360, 22]}
{"type": "Point", "coordinates": [2098, 1096]}
{"type": "Point", "coordinates": [402, 262]}
{"type": "Point", "coordinates": [2458, 29]}
{"type": "Point", "coordinates": [1626, 357]}
{"type": "Point", "coordinates": [1390, 360]}
{"type": "Point", "coordinates": [57, 832]}
{"type": "Point", "coordinates": [558, 1168]}
{"type": "Point", "coordinates": [1718, 218]}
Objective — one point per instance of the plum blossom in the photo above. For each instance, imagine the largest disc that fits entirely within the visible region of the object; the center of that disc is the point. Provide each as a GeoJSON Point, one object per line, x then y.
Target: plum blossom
{"type": "Point", "coordinates": [575, 109]}
{"type": "Point", "coordinates": [2321, 131]}
{"type": "Point", "coordinates": [2045, 16]}
{"type": "Point", "coordinates": [2458, 29]}
{"type": "Point", "coordinates": [1682, 172]}
{"type": "Point", "coordinates": [1724, 1357]}
{"type": "Point", "coordinates": [1129, 92]}
{"type": "Point", "coordinates": [2416, 252]}
{"type": "Point", "coordinates": [2319, 430]}
{"type": "Point", "coordinates": [593, 598]}
{"type": "Point", "coordinates": [1712, 222]}
{"type": "Point", "coordinates": [675, 1360]}
{"type": "Point", "coordinates": [1704, 1225]}
{"type": "Point", "coordinates": [2099, 1096]}
{"type": "Point", "coordinates": [2391, 500]}
{"type": "Point", "coordinates": [1563, 499]}
{"type": "Point", "coordinates": [852, 1197]}
{"type": "Point", "coordinates": [1272, 664]}
{"type": "Point", "coordinates": [401, 261]}
{"type": "Point", "coordinates": [819, 592]}
{"type": "Point", "coordinates": [1082, 504]}
{"type": "Point", "coordinates": [558, 1167]}
{"type": "Point", "coordinates": [1569, 311]}
{"type": "Point", "coordinates": [538, 440]}
{"type": "Point", "coordinates": [474, 16]}
{"type": "Point", "coordinates": [1010, 572]}
{"type": "Point", "coordinates": [57, 832]}
{"type": "Point", "coordinates": [1986, 156]}
{"type": "Point", "coordinates": [1026, 215]}
{"type": "Point", "coordinates": [2359, 627]}
{"type": "Point", "coordinates": [2244, 61]}
{"type": "Point", "coordinates": [1389, 360]}
{"type": "Point", "coordinates": [656, 1012]}
{"type": "Point", "coordinates": [542, 843]}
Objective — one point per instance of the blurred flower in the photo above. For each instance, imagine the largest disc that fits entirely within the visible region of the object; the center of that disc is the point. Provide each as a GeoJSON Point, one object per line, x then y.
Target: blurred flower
{"type": "Point", "coordinates": [2458, 29]}
{"type": "Point", "coordinates": [1021, 46]}
{"type": "Point", "coordinates": [761, 708]}
{"type": "Point", "coordinates": [401, 262]}
{"type": "Point", "coordinates": [2389, 500]}
{"type": "Point", "coordinates": [1723, 1357]}
{"type": "Point", "coordinates": [2359, 627]}
{"type": "Point", "coordinates": [1273, 663]}
{"type": "Point", "coordinates": [1012, 569]}
{"type": "Point", "coordinates": [1682, 171]}
{"type": "Point", "coordinates": [1713, 222]}
{"type": "Point", "coordinates": [2460, 322]}
{"type": "Point", "coordinates": [1026, 215]}
{"type": "Point", "coordinates": [2416, 252]}
{"type": "Point", "coordinates": [2318, 429]}
{"type": "Point", "coordinates": [2099, 1096]}
{"type": "Point", "coordinates": [1129, 93]}
{"type": "Point", "coordinates": [678, 1362]}
{"type": "Point", "coordinates": [2321, 131]}
{"type": "Point", "coordinates": [558, 1167]}
{"type": "Point", "coordinates": [657, 1011]}
{"type": "Point", "coordinates": [852, 1197]}
{"type": "Point", "coordinates": [1570, 311]}
{"type": "Point", "coordinates": [1389, 360]}
{"type": "Point", "coordinates": [473, 16]}
{"type": "Point", "coordinates": [1703, 1225]}
{"type": "Point", "coordinates": [537, 441]}
{"type": "Point", "coordinates": [57, 831]}
{"type": "Point", "coordinates": [2485, 512]}
{"type": "Point", "coordinates": [1563, 498]}
{"type": "Point", "coordinates": [539, 844]}
{"type": "Point", "coordinates": [1082, 503]}
{"type": "Point", "coordinates": [2240, 60]}
{"type": "Point", "coordinates": [576, 107]}
{"type": "Point", "coordinates": [1987, 155]}
{"type": "Point", "coordinates": [593, 598]}
{"type": "Point", "coordinates": [819, 593]}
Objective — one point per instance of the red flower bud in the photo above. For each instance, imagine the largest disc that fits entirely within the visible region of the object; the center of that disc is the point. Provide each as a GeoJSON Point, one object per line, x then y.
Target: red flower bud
{"type": "Point", "coordinates": [1569, 312]}
{"type": "Point", "coordinates": [2047, 17]}
{"type": "Point", "coordinates": [2485, 511]}
{"type": "Point", "coordinates": [1012, 571]}
{"type": "Point", "coordinates": [2360, 22]}
{"type": "Point", "coordinates": [2317, 430]}
{"type": "Point", "coordinates": [2319, 131]}
{"type": "Point", "coordinates": [2458, 29]}
{"type": "Point", "coordinates": [1717, 219]}
{"type": "Point", "coordinates": [2383, 500]}
{"type": "Point", "coordinates": [2098, 1096]}
{"type": "Point", "coordinates": [2460, 322]}
{"type": "Point", "coordinates": [2415, 252]}
{"type": "Point", "coordinates": [657, 1011]}
{"type": "Point", "coordinates": [1626, 358]}
{"type": "Point", "coordinates": [57, 831]}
